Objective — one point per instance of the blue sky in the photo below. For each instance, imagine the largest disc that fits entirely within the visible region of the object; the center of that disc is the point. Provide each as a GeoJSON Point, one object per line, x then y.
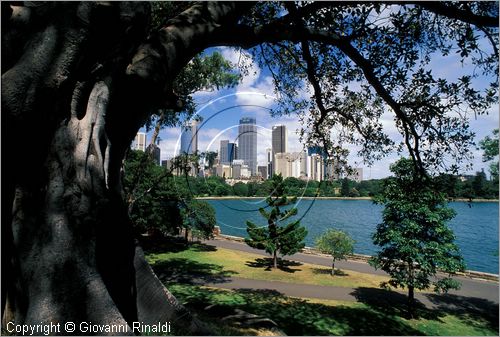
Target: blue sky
{"type": "Point", "coordinates": [254, 97]}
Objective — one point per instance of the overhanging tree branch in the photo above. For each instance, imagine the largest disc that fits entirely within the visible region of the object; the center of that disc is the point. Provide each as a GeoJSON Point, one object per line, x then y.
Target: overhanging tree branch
{"type": "Point", "coordinates": [451, 11]}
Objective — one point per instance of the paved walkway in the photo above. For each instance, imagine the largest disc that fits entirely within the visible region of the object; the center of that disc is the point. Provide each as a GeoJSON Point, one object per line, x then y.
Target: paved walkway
{"type": "Point", "coordinates": [475, 293]}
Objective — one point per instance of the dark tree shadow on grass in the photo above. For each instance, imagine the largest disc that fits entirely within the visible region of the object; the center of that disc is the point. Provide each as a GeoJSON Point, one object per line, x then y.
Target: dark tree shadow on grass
{"type": "Point", "coordinates": [472, 310]}
{"type": "Point", "coordinates": [295, 316]}
{"type": "Point", "coordinates": [328, 271]}
{"type": "Point", "coordinates": [267, 263]}
{"type": "Point", "coordinates": [185, 271]}
{"type": "Point", "coordinates": [469, 309]}
{"type": "Point", "coordinates": [152, 245]}
{"type": "Point", "coordinates": [391, 302]}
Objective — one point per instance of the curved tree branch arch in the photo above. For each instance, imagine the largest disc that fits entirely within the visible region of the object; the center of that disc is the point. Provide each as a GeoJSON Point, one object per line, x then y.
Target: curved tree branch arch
{"type": "Point", "coordinates": [80, 79]}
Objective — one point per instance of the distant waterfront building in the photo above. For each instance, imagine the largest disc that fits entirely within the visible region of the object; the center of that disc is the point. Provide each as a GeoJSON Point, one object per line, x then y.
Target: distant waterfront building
{"type": "Point", "coordinates": [331, 171]}
{"type": "Point", "coordinates": [166, 163]}
{"type": "Point", "coordinates": [139, 142]}
{"type": "Point", "coordinates": [223, 171]}
{"type": "Point", "coordinates": [316, 167]}
{"type": "Point", "coordinates": [303, 164]}
{"type": "Point", "coordinates": [240, 170]}
{"type": "Point", "coordinates": [247, 143]}
{"type": "Point", "coordinates": [287, 164]}
{"type": "Point", "coordinates": [169, 163]}
{"type": "Point", "coordinates": [316, 149]}
{"type": "Point", "coordinates": [156, 153]}
{"type": "Point", "coordinates": [357, 175]}
{"type": "Point", "coordinates": [262, 170]}
{"type": "Point", "coordinates": [269, 163]}
{"type": "Point", "coordinates": [279, 139]}
{"type": "Point", "coordinates": [223, 154]}
{"type": "Point", "coordinates": [189, 137]}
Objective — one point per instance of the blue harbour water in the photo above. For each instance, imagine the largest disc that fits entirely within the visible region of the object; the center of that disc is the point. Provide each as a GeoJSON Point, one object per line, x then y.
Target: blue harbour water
{"type": "Point", "coordinates": [475, 225]}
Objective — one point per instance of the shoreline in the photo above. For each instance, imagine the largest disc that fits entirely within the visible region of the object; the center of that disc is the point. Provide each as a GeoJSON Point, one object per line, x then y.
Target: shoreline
{"type": "Point", "coordinates": [235, 197]}
{"type": "Point", "coordinates": [361, 258]}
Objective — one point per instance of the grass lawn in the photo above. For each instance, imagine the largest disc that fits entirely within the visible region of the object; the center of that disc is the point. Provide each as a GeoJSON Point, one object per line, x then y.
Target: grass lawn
{"type": "Point", "coordinates": [377, 312]}
{"type": "Point", "coordinates": [302, 317]}
{"type": "Point", "coordinates": [218, 263]}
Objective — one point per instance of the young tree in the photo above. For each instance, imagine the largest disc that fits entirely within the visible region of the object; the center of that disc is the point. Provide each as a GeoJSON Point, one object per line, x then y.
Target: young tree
{"type": "Point", "coordinates": [81, 78]}
{"type": "Point", "coordinates": [415, 240]}
{"type": "Point", "coordinates": [153, 201]}
{"type": "Point", "coordinates": [490, 147]}
{"type": "Point", "coordinates": [277, 238]}
{"type": "Point", "coordinates": [346, 188]}
{"type": "Point", "coordinates": [240, 189]}
{"type": "Point", "coordinates": [198, 216]}
{"type": "Point", "coordinates": [336, 243]}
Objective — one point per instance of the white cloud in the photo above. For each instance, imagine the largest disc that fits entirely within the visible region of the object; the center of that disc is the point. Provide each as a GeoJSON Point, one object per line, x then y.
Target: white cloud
{"type": "Point", "coordinates": [168, 148]}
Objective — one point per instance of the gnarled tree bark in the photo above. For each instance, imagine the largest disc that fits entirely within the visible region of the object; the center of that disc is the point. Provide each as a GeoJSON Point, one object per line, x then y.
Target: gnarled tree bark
{"type": "Point", "coordinates": [79, 81]}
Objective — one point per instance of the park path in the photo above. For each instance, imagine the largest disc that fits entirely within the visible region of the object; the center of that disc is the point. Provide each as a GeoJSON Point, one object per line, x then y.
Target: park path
{"type": "Point", "coordinates": [473, 292]}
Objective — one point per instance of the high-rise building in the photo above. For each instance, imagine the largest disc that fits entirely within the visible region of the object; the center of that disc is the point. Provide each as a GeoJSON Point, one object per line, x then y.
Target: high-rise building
{"type": "Point", "coordinates": [139, 142]}
{"type": "Point", "coordinates": [156, 153]}
{"type": "Point", "coordinates": [262, 171]}
{"type": "Point", "coordinates": [224, 171]}
{"type": "Point", "coordinates": [269, 162]}
{"type": "Point", "coordinates": [288, 164]}
{"type": "Point", "coordinates": [223, 155]}
{"type": "Point", "coordinates": [279, 140]}
{"type": "Point", "coordinates": [356, 175]}
{"type": "Point", "coordinates": [247, 143]}
{"type": "Point", "coordinates": [189, 137]}
{"type": "Point", "coordinates": [316, 167]}
{"type": "Point", "coordinates": [232, 152]}
{"type": "Point", "coordinates": [240, 170]}
{"type": "Point", "coordinates": [303, 164]}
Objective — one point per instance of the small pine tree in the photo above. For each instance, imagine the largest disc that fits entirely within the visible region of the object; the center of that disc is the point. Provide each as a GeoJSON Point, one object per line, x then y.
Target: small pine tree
{"type": "Point", "coordinates": [415, 240]}
{"type": "Point", "coordinates": [336, 243]}
{"type": "Point", "coordinates": [285, 239]}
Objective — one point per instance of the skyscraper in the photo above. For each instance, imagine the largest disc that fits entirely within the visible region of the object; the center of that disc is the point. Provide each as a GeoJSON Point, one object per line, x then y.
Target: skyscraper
{"type": "Point", "coordinates": [189, 137]}
{"type": "Point", "coordinates": [223, 154]}
{"type": "Point", "coordinates": [269, 162]}
{"type": "Point", "coordinates": [279, 141]}
{"type": "Point", "coordinates": [156, 153]}
{"type": "Point", "coordinates": [247, 143]}
{"type": "Point", "coordinates": [139, 142]}
{"type": "Point", "coordinates": [232, 152]}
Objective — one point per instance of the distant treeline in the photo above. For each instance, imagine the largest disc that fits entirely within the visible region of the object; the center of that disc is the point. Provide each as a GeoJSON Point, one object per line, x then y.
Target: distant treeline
{"type": "Point", "coordinates": [454, 187]}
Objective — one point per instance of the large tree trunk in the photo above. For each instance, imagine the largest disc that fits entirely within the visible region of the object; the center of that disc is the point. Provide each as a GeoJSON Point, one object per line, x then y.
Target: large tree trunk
{"type": "Point", "coordinates": [77, 84]}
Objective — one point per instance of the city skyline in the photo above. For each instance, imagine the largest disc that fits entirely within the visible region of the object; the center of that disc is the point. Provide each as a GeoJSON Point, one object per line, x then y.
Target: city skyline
{"type": "Point", "coordinates": [223, 108]}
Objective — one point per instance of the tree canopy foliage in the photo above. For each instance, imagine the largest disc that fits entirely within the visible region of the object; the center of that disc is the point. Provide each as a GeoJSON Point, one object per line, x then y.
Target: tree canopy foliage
{"type": "Point", "coordinates": [81, 78]}
{"type": "Point", "coordinates": [414, 238]}
{"type": "Point", "coordinates": [336, 243]}
{"type": "Point", "coordinates": [361, 59]}
{"type": "Point", "coordinates": [490, 147]}
{"type": "Point", "coordinates": [277, 237]}
{"type": "Point", "coordinates": [158, 202]}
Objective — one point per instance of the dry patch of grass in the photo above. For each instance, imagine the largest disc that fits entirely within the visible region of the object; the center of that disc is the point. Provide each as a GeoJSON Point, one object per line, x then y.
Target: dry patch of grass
{"type": "Point", "coordinates": [253, 266]}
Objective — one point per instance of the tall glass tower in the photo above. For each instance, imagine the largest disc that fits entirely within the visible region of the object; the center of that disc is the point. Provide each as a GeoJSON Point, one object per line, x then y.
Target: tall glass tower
{"type": "Point", "coordinates": [223, 155]}
{"type": "Point", "coordinates": [279, 141]}
{"type": "Point", "coordinates": [247, 143]}
{"type": "Point", "coordinates": [189, 138]}
{"type": "Point", "coordinates": [232, 152]}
